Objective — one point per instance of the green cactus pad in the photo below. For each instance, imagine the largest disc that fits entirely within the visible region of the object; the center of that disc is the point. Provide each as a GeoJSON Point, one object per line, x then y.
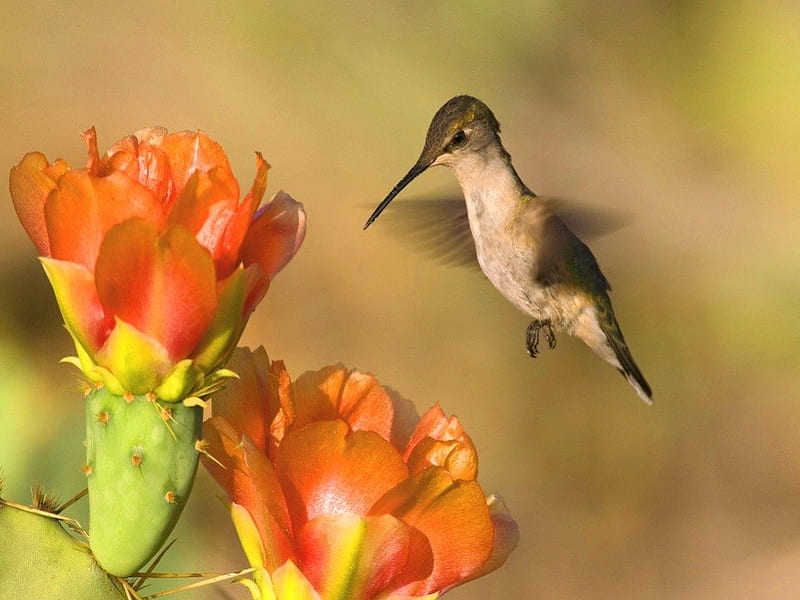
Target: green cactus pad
{"type": "Point", "coordinates": [39, 559]}
{"type": "Point", "coordinates": [140, 464]}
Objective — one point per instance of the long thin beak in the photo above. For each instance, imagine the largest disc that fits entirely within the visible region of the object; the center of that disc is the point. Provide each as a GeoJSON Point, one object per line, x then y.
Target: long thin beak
{"type": "Point", "coordinates": [415, 170]}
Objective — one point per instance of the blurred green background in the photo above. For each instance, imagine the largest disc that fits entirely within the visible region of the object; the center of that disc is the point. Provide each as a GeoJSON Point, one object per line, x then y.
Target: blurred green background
{"type": "Point", "coordinates": [683, 116]}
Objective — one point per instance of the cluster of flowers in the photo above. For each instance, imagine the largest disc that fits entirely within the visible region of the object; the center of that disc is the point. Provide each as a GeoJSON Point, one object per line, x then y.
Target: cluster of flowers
{"type": "Point", "coordinates": [337, 488]}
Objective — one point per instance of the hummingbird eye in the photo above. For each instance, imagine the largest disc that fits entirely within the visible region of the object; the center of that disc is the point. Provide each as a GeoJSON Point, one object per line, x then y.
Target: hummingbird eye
{"type": "Point", "coordinates": [459, 139]}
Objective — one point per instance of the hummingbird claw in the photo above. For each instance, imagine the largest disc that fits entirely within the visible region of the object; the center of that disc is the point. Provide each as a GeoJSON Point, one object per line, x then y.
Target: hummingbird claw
{"type": "Point", "coordinates": [549, 335]}
{"type": "Point", "coordinates": [532, 336]}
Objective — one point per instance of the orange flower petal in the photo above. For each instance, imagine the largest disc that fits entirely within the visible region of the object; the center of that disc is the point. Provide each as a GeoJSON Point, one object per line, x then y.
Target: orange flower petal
{"type": "Point", "coordinates": [315, 395]}
{"type": "Point", "coordinates": [404, 418]}
{"type": "Point", "coordinates": [506, 538]}
{"type": "Point", "coordinates": [286, 415]}
{"type": "Point", "coordinates": [257, 284]}
{"type": "Point", "coordinates": [206, 207]}
{"type": "Point", "coordinates": [326, 469]}
{"type": "Point", "coordinates": [30, 183]}
{"type": "Point", "coordinates": [460, 460]}
{"type": "Point", "coordinates": [164, 286]}
{"type": "Point", "coordinates": [365, 405]}
{"type": "Point", "coordinates": [250, 402]}
{"type": "Point", "coordinates": [80, 305]}
{"type": "Point", "coordinates": [441, 441]}
{"type": "Point", "coordinates": [453, 516]}
{"type": "Point", "coordinates": [353, 557]}
{"type": "Point", "coordinates": [250, 481]}
{"type": "Point", "coordinates": [436, 424]}
{"type": "Point", "coordinates": [190, 151]}
{"type": "Point", "coordinates": [83, 209]}
{"type": "Point", "coordinates": [141, 159]}
{"type": "Point", "coordinates": [335, 392]}
{"type": "Point", "coordinates": [275, 235]}
{"type": "Point", "coordinates": [230, 241]}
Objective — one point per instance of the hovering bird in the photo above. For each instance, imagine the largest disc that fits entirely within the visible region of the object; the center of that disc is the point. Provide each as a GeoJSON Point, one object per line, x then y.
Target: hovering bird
{"type": "Point", "coordinates": [521, 242]}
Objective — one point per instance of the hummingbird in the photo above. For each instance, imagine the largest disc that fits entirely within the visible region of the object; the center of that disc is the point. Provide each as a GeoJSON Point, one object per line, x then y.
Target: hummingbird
{"type": "Point", "coordinates": [521, 243]}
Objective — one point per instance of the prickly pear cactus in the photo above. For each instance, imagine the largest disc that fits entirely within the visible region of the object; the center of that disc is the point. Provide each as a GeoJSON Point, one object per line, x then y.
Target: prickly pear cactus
{"type": "Point", "coordinates": [141, 461]}
{"type": "Point", "coordinates": [39, 559]}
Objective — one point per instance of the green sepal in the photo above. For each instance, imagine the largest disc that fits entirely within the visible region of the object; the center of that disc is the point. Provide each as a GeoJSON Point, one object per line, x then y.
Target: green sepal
{"type": "Point", "coordinates": [182, 379]}
{"type": "Point", "coordinates": [225, 329]}
{"type": "Point", "coordinates": [138, 361]}
{"type": "Point", "coordinates": [141, 461]}
{"type": "Point", "coordinates": [93, 371]}
{"type": "Point", "coordinates": [76, 295]}
{"type": "Point", "coordinates": [246, 529]}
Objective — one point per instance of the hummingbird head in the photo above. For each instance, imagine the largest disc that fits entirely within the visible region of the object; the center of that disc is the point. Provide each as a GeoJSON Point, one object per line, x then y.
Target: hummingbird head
{"type": "Point", "coordinates": [462, 126]}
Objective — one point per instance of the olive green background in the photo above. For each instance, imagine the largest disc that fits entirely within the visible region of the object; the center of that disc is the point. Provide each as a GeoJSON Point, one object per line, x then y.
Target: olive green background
{"type": "Point", "coordinates": [680, 116]}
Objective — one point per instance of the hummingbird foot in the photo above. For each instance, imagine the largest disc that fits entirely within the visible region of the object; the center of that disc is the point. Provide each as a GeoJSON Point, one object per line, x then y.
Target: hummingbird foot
{"type": "Point", "coordinates": [550, 336]}
{"type": "Point", "coordinates": [532, 336]}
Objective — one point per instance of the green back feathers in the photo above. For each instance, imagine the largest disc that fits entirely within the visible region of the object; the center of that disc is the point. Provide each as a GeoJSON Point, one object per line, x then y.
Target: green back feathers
{"type": "Point", "coordinates": [564, 259]}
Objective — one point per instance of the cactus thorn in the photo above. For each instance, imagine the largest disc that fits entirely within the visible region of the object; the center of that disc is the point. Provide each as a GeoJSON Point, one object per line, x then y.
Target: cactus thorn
{"type": "Point", "coordinates": [102, 417]}
{"type": "Point", "coordinates": [42, 500]}
{"type": "Point", "coordinates": [71, 501]}
{"type": "Point", "coordinates": [165, 414]}
{"type": "Point", "coordinates": [128, 397]}
{"type": "Point", "coordinates": [170, 497]}
{"type": "Point", "coordinates": [151, 397]}
{"type": "Point", "coordinates": [202, 447]}
{"type": "Point", "coordinates": [136, 459]}
{"type": "Point", "coordinates": [87, 470]}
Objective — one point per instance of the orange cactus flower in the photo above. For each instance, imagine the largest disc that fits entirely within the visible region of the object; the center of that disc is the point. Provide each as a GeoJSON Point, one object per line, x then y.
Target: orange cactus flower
{"type": "Point", "coordinates": [338, 488]}
{"type": "Point", "coordinates": [155, 261]}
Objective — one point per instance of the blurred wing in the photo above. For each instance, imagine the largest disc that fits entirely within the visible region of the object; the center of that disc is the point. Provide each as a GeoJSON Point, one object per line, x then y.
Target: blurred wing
{"type": "Point", "coordinates": [586, 221]}
{"type": "Point", "coordinates": [563, 258]}
{"type": "Point", "coordinates": [438, 227]}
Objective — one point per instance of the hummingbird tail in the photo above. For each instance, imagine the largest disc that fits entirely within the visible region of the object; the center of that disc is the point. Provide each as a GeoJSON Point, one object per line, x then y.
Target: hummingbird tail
{"type": "Point", "coordinates": [629, 369]}
{"type": "Point", "coordinates": [612, 347]}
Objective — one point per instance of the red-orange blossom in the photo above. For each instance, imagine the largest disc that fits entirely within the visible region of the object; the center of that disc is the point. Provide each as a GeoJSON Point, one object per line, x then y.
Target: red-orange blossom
{"type": "Point", "coordinates": [339, 491]}
{"type": "Point", "coordinates": [155, 261]}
